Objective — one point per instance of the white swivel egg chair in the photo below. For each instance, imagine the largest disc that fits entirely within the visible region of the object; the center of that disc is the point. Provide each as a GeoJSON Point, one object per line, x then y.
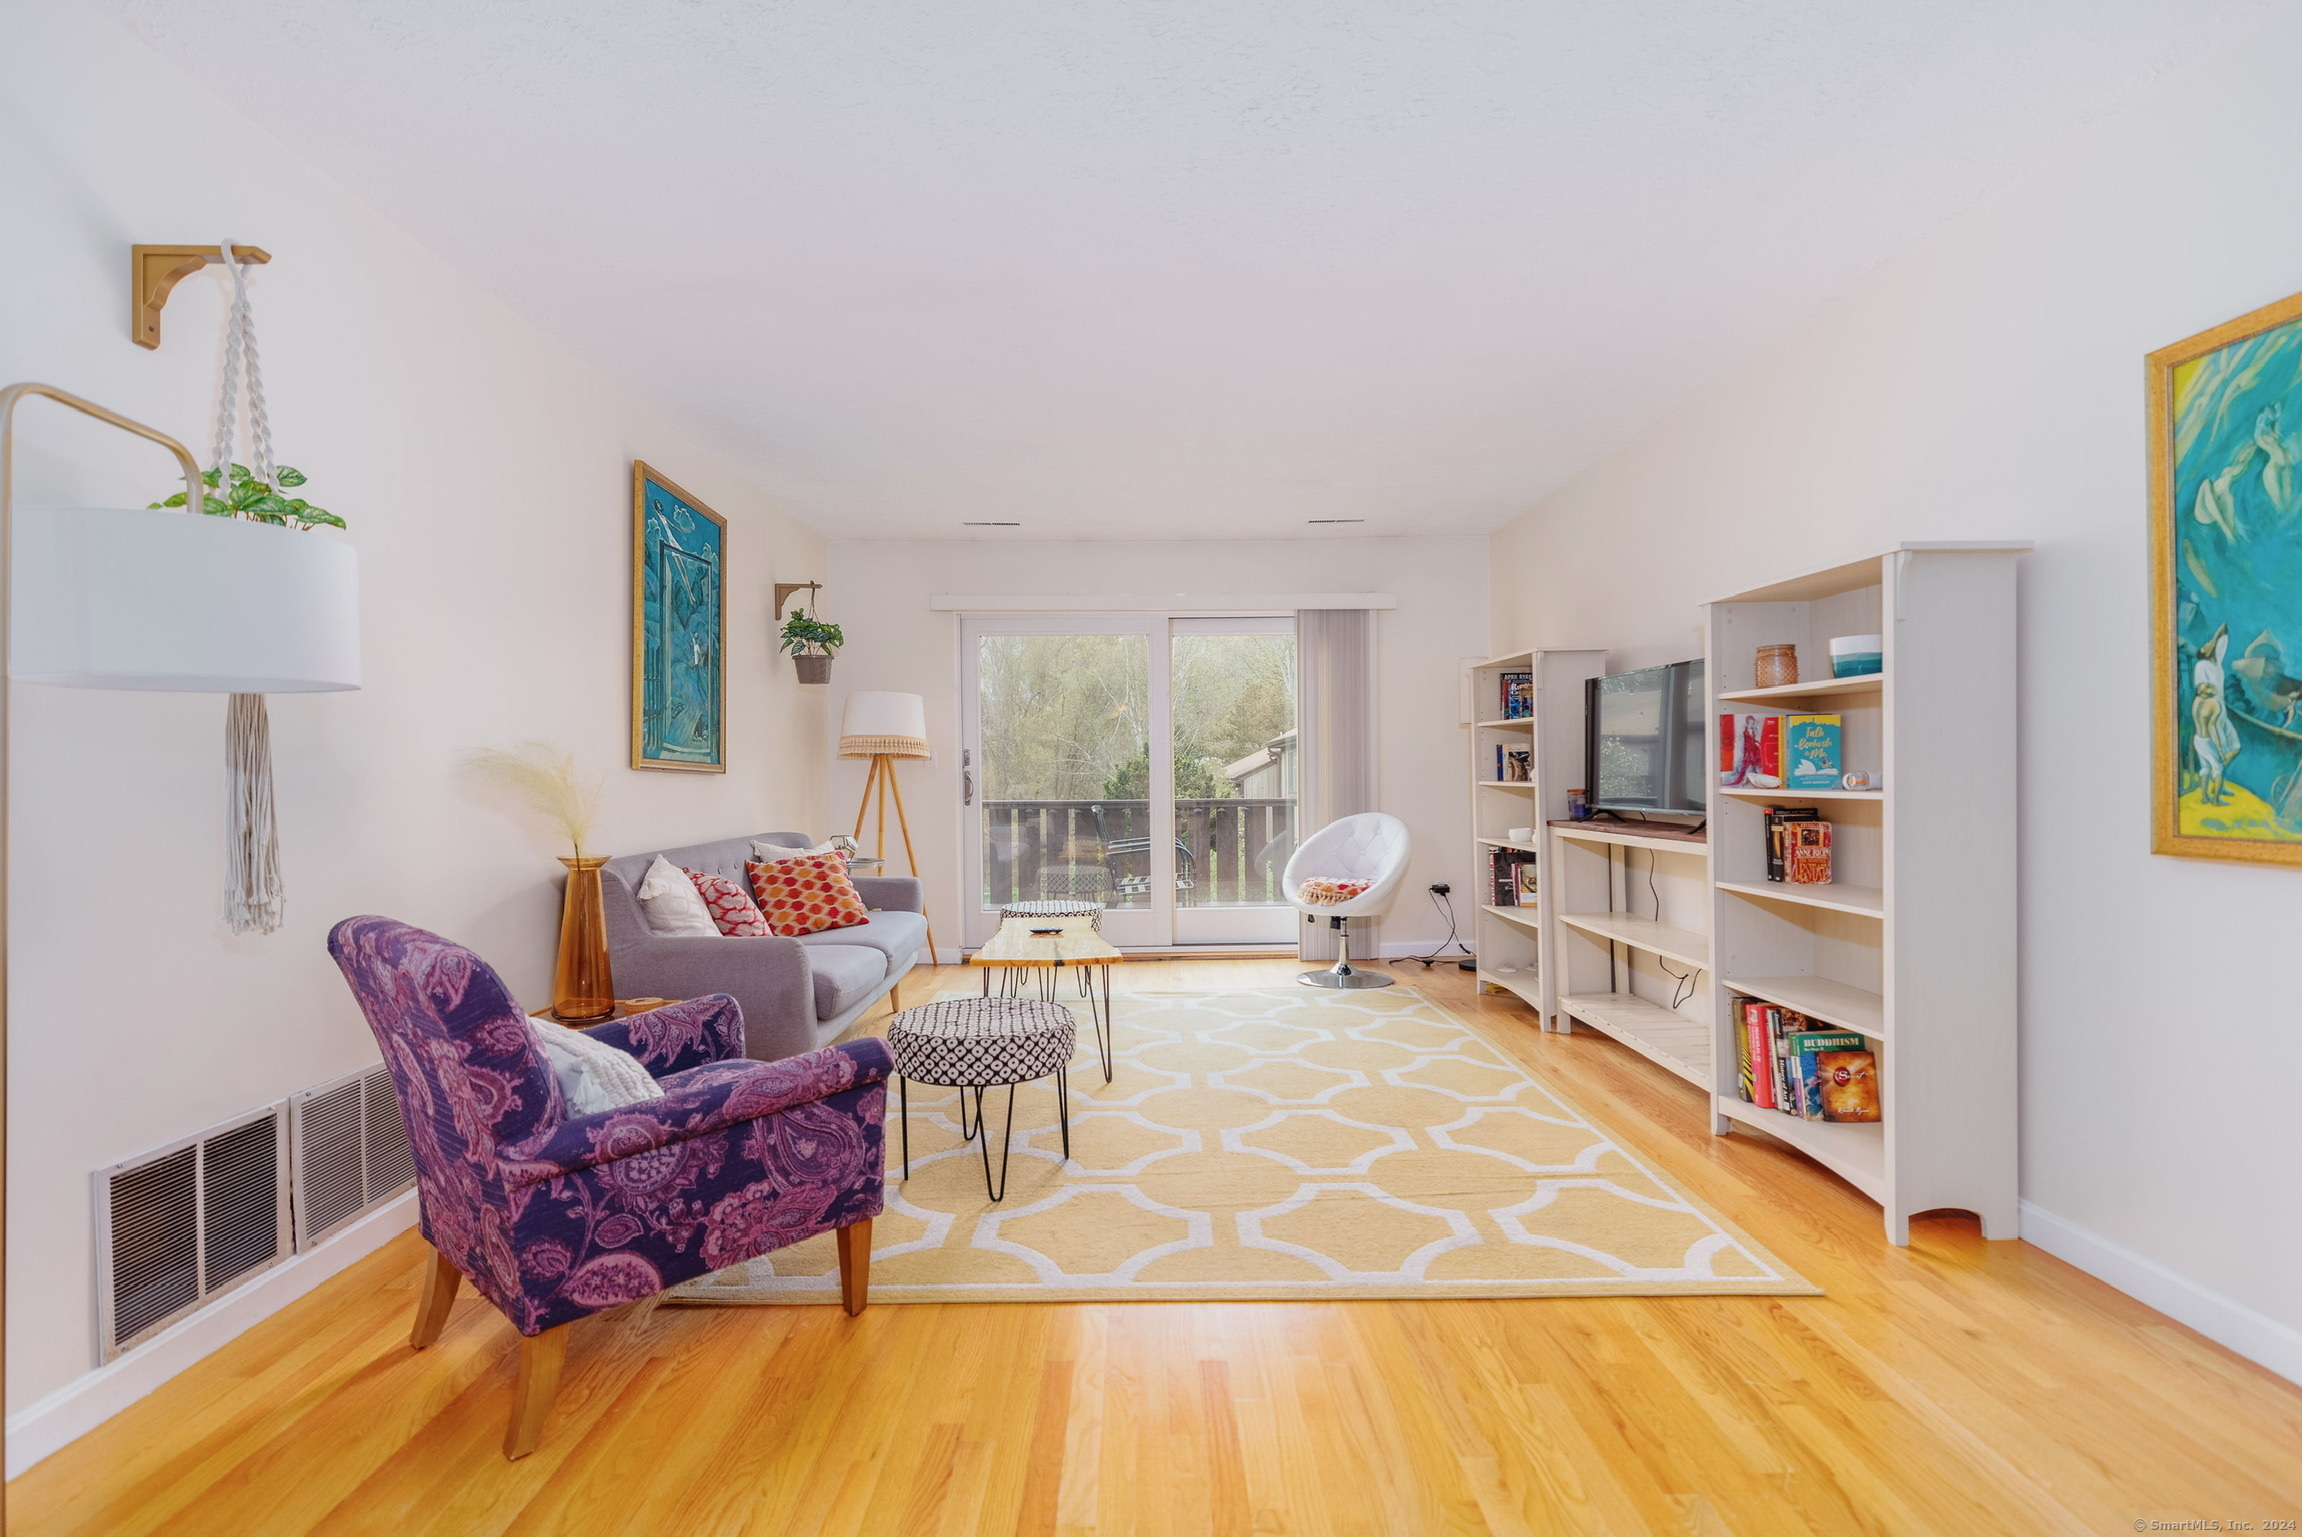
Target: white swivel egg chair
{"type": "Point", "coordinates": [1367, 847]}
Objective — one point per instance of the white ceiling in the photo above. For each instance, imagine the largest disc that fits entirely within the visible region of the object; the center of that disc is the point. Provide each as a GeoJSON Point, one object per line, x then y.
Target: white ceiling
{"type": "Point", "coordinates": [1203, 268]}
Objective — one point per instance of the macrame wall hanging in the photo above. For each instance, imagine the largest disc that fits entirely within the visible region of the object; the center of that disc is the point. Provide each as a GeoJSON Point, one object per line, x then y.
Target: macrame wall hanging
{"type": "Point", "coordinates": [255, 901]}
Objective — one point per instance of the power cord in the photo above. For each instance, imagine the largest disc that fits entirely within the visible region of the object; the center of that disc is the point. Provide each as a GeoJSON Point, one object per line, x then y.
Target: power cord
{"type": "Point", "coordinates": [1687, 978]}
{"type": "Point", "coordinates": [1442, 898]}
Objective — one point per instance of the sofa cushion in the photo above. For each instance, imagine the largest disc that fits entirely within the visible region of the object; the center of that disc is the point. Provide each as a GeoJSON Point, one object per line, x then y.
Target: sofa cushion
{"type": "Point", "coordinates": [806, 894]}
{"type": "Point", "coordinates": [844, 976]}
{"type": "Point", "coordinates": [897, 936]}
{"type": "Point", "coordinates": [668, 900]}
{"type": "Point", "coordinates": [730, 905]}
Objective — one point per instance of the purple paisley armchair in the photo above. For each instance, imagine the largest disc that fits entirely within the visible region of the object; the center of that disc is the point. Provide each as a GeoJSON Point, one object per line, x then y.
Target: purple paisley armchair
{"type": "Point", "coordinates": [555, 1217]}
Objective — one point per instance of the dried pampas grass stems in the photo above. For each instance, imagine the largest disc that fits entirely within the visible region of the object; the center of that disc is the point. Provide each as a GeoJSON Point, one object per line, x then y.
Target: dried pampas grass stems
{"type": "Point", "coordinates": [544, 776]}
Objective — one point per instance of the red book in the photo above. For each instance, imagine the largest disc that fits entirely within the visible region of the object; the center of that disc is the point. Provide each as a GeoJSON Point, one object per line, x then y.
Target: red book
{"type": "Point", "coordinates": [1765, 770]}
{"type": "Point", "coordinates": [1761, 1054]}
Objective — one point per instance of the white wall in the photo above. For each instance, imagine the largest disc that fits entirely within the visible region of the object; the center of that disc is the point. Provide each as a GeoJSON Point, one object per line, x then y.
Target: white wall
{"type": "Point", "coordinates": [1991, 385]}
{"type": "Point", "coordinates": [485, 473]}
{"type": "Point", "coordinates": [879, 591]}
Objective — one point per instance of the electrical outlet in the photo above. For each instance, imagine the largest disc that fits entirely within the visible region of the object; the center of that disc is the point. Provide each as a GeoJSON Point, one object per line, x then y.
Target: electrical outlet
{"type": "Point", "coordinates": [1440, 888]}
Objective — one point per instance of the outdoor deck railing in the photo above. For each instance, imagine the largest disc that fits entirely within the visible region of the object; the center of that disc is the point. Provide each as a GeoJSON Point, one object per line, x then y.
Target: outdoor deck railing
{"type": "Point", "coordinates": [1228, 853]}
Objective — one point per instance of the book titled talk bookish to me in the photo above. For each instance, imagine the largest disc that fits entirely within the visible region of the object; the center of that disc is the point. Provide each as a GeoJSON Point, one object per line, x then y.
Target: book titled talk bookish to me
{"type": "Point", "coordinates": [1810, 752]}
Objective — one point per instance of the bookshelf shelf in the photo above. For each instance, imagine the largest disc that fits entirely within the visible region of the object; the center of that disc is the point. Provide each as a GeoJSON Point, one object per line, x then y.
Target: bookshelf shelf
{"type": "Point", "coordinates": [1855, 1152]}
{"type": "Point", "coordinates": [1770, 797]}
{"type": "Point", "coordinates": [1665, 1037]}
{"type": "Point", "coordinates": [1520, 937]}
{"type": "Point", "coordinates": [1525, 984]}
{"type": "Point", "coordinates": [1590, 832]}
{"type": "Point", "coordinates": [1850, 1008]}
{"type": "Point", "coordinates": [1684, 946]}
{"type": "Point", "coordinates": [1799, 693]}
{"type": "Point", "coordinates": [1837, 896]}
{"type": "Point", "coordinates": [1912, 943]}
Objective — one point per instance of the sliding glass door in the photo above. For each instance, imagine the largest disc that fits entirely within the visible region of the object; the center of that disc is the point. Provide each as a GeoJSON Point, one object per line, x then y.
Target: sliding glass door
{"type": "Point", "coordinates": [1142, 761]}
{"type": "Point", "coordinates": [1237, 764]}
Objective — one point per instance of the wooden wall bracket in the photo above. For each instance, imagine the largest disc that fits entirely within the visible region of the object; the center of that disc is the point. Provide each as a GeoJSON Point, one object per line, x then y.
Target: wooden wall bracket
{"type": "Point", "coordinates": [155, 270]}
{"type": "Point", "coordinates": [784, 590]}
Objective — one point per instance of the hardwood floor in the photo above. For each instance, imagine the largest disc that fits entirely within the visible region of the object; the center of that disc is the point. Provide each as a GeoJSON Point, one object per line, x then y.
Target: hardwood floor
{"type": "Point", "coordinates": [1949, 1387]}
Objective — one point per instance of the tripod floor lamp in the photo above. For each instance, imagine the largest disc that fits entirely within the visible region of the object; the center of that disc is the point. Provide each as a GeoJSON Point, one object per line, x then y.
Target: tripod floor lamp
{"type": "Point", "coordinates": [884, 727]}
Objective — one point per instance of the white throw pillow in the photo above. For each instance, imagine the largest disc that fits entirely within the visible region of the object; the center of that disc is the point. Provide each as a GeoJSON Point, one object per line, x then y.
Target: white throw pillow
{"type": "Point", "coordinates": [671, 904]}
{"type": "Point", "coordinates": [593, 1075]}
{"type": "Point", "coordinates": [769, 853]}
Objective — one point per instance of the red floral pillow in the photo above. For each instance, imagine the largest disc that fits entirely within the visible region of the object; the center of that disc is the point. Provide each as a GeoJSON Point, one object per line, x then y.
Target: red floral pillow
{"type": "Point", "coordinates": [807, 894]}
{"type": "Point", "coordinates": [735, 913]}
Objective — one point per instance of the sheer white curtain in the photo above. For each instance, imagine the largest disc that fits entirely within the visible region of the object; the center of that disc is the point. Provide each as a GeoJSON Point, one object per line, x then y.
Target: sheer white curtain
{"type": "Point", "coordinates": [1335, 716]}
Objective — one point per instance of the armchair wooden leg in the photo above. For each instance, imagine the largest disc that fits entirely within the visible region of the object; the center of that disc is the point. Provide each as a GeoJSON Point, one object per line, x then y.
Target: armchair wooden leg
{"type": "Point", "coordinates": [855, 1266]}
{"type": "Point", "coordinates": [441, 1278]}
{"type": "Point", "coordinates": [541, 1356]}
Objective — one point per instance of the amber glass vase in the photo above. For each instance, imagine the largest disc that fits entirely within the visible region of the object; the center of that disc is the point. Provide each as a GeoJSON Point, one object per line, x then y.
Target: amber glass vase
{"type": "Point", "coordinates": [584, 988]}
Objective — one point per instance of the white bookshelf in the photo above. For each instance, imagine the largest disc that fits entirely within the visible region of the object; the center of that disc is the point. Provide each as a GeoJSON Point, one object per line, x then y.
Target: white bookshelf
{"type": "Point", "coordinates": [1631, 938]}
{"type": "Point", "coordinates": [1912, 943]}
{"type": "Point", "coordinates": [1511, 942]}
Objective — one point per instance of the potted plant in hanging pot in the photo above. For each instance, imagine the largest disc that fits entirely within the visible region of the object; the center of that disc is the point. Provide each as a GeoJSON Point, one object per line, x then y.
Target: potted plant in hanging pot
{"type": "Point", "coordinates": [811, 643]}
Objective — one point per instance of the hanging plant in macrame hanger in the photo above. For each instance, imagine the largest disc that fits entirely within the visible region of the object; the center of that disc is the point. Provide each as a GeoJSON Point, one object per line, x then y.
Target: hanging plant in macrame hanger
{"type": "Point", "coordinates": [255, 899]}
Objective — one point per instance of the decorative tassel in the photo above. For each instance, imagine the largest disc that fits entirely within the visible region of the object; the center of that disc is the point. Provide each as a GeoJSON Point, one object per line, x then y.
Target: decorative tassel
{"type": "Point", "coordinates": [255, 901]}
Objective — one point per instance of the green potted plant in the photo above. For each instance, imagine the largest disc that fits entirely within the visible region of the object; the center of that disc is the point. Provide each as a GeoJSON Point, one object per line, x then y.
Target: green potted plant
{"type": "Point", "coordinates": [811, 643]}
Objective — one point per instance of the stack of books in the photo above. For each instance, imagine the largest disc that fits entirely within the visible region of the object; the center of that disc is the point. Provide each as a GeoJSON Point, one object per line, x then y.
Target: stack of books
{"type": "Point", "coordinates": [1797, 845]}
{"type": "Point", "coordinates": [1785, 1061]}
{"type": "Point", "coordinates": [1514, 765]}
{"type": "Point", "coordinates": [1518, 691]}
{"type": "Point", "coordinates": [1510, 878]}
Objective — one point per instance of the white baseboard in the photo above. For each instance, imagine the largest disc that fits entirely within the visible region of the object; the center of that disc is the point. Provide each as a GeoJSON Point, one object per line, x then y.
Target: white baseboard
{"type": "Point", "coordinates": [88, 1401]}
{"type": "Point", "coordinates": [1399, 950]}
{"type": "Point", "coordinates": [2258, 1337]}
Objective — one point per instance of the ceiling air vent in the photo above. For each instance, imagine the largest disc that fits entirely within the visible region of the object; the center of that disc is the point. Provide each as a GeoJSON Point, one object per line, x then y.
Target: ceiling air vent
{"type": "Point", "coordinates": [185, 1223]}
{"type": "Point", "coordinates": [351, 1152]}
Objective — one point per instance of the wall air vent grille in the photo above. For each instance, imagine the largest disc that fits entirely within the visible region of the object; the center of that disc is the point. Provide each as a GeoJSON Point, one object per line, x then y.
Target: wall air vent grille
{"type": "Point", "coordinates": [351, 1152]}
{"type": "Point", "coordinates": [185, 1223]}
{"type": "Point", "coordinates": [391, 1167]}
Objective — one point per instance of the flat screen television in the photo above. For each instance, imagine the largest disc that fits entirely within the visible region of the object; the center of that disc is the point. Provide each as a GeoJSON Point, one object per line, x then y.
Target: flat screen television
{"type": "Point", "coordinates": [1645, 748]}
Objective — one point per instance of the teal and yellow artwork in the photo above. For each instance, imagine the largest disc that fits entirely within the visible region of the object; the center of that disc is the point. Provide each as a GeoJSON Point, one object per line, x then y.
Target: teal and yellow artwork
{"type": "Point", "coordinates": [2226, 424]}
{"type": "Point", "coordinates": [679, 628]}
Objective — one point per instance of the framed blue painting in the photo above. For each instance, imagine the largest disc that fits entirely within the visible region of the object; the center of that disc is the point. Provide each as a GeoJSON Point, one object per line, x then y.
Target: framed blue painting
{"type": "Point", "coordinates": [678, 628]}
{"type": "Point", "coordinates": [2226, 545]}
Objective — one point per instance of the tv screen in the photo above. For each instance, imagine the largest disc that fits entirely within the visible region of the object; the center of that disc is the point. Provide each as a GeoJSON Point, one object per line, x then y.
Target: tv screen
{"type": "Point", "coordinates": [1647, 749]}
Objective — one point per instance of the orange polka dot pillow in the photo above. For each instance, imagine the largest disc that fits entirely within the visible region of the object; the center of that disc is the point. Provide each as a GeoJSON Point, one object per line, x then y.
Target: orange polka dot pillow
{"type": "Point", "coordinates": [807, 894]}
{"type": "Point", "coordinates": [733, 912]}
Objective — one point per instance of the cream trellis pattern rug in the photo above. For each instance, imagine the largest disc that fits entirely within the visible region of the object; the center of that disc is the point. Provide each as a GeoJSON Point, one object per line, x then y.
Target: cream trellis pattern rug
{"type": "Point", "coordinates": [1285, 1145]}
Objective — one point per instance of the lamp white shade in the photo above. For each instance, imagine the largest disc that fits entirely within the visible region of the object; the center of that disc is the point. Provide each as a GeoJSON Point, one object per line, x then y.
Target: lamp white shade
{"type": "Point", "coordinates": [877, 722]}
{"type": "Point", "coordinates": [134, 598]}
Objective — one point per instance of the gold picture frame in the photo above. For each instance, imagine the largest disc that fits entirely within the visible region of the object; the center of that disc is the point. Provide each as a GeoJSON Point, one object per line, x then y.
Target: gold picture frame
{"type": "Point", "coordinates": [678, 628]}
{"type": "Point", "coordinates": [2225, 545]}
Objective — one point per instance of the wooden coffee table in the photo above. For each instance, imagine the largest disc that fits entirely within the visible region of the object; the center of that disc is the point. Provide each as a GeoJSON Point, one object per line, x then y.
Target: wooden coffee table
{"type": "Point", "coordinates": [1016, 949]}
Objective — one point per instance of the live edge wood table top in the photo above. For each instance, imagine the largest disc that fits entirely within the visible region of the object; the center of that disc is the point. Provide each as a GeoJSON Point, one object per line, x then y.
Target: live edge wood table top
{"type": "Point", "coordinates": [1077, 944]}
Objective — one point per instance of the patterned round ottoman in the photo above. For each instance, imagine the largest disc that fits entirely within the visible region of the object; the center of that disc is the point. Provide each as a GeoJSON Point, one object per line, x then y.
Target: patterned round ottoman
{"type": "Point", "coordinates": [978, 1044]}
{"type": "Point", "coordinates": [1055, 907]}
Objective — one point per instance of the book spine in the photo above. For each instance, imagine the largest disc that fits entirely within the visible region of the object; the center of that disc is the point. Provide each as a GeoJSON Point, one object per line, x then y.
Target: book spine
{"type": "Point", "coordinates": [1762, 1067]}
{"type": "Point", "coordinates": [1783, 1099]}
{"type": "Point", "coordinates": [1743, 1085]}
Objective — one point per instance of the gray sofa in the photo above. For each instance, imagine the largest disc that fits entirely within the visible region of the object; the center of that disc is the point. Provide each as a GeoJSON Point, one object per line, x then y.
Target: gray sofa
{"type": "Point", "coordinates": [797, 994]}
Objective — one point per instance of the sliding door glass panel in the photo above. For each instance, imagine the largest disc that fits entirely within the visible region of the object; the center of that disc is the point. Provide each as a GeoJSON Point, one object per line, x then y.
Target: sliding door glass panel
{"type": "Point", "coordinates": [1065, 727]}
{"type": "Point", "coordinates": [1237, 767]}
